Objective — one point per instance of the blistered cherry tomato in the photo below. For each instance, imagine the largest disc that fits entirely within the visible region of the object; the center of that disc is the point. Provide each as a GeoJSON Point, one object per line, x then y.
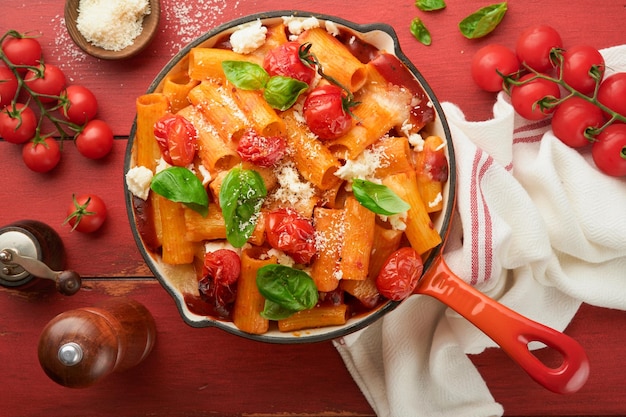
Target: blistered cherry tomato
{"type": "Point", "coordinates": [288, 231]}
{"type": "Point", "coordinates": [95, 141]}
{"type": "Point", "coordinates": [325, 113]}
{"type": "Point", "coordinates": [79, 104]}
{"type": "Point", "coordinates": [612, 92]}
{"type": "Point", "coordinates": [22, 51]}
{"type": "Point", "coordinates": [223, 265]}
{"type": "Point", "coordinates": [609, 150]}
{"type": "Point", "coordinates": [261, 150]}
{"type": "Point", "coordinates": [51, 83]}
{"type": "Point", "coordinates": [524, 97]}
{"type": "Point", "coordinates": [572, 118]}
{"type": "Point", "coordinates": [177, 138]}
{"type": "Point", "coordinates": [41, 156]}
{"type": "Point", "coordinates": [578, 61]}
{"type": "Point", "coordinates": [18, 123]}
{"type": "Point", "coordinates": [86, 213]}
{"type": "Point", "coordinates": [8, 86]}
{"type": "Point", "coordinates": [286, 60]}
{"type": "Point", "coordinates": [534, 45]}
{"type": "Point", "coordinates": [490, 59]}
{"type": "Point", "coordinates": [400, 274]}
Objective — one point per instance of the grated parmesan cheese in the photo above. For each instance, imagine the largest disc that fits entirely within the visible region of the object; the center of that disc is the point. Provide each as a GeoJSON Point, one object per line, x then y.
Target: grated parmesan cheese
{"type": "Point", "coordinates": [292, 190]}
{"type": "Point", "coordinates": [111, 24]}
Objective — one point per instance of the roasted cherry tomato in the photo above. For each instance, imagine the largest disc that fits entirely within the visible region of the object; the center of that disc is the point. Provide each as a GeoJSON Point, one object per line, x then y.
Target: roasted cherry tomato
{"type": "Point", "coordinates": [41, 155]}
{"type": "Point", "coordinates": [223, 265]}
{"type": "Point", "coordinates": [287, 60]}
{"type": "Point", "coordinates": [609, 150]}
{"type": "Point", "coordinates": [400, 274]}
{"type": "Point", "coordinates": [48, 84]}
{"type": "Point", "coordinates": [177, 138]}
{"type": "Point", "coordinates": [22, 51]}
{"type": "Point", "coordinates": [486, 63]}
{"type": "Point", "coordinates": [326, 112]}
{"type": "Point", "coordinates": [95, 141]}
{"type": "Point", "coordinates": [87, 213]}
{"type": "Point", "coordinates": [18, 123]}
{"type": "Point", "coordinates": [578, 61]}
{"type": "Point", "coordinates": [8, 86]}
{"type": "Point", "coordinates": [525, 97]}
{"type": "Point", "coordinates": [288, 231]}
{"type": "Point", "coordinates": [79, 104]}
{"type": "Point", "coordinates": [261, 150]}
{"type": "Point", "coordinates": [612, 93]}
{"type": "Point", "coordinates": [572, 118]}
{"type": "Point", "coordinates": [534, 45]}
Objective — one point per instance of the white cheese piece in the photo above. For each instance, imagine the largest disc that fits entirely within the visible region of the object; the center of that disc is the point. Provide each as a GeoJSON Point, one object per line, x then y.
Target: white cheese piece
{"type": "Point", "coordinates": [332, 28]}
{"type": "Point", "coordinates": [438, 199]}
{"type": "Point", "coordinates": [297, 25]}
{"type": "Point", "coordinates": [292, 189]}
{"type": "Point", "coordinates": [138, 180]}
{"type": "Point", "coordinates": [282, 257]}
{"type": "Point", "coordinates": [248, 38]}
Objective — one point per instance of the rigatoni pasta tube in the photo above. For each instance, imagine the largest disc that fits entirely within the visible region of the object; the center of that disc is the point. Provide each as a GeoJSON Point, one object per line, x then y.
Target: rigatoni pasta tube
{"type": "Point", "coordinates": [358, 240]}
{"type": "Point", "coordinates": [329, 237]}
{"type": "Point", "coordinates": [318, 316]}
{"type": "Point", "coordinates": [205, 63]}
{"type": "Point", "coordinates": [432, 171]}
{"type": "Point", "coordinates": [150, 108]}
{"type": "Point", "coordinates": [249, 302]}
{"type": "Point", "coordinates": [176, 87]}
{"type": "Point", "coordinates": [176, 248]}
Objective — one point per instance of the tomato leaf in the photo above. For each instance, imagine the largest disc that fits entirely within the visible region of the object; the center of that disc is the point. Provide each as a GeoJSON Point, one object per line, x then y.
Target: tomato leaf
{"type": "Point", "coordinates": [241, 197]}
{"type": "Point", "coordinates": [430, 5]}
{"type": "Point", "coordinates": [286, 291]}
{"type": "Point", "coordinates": [245, 75]}
{"type": "Point", "coordinates": [420, 32]}
{"type": "Point", "coordinates": [483, 21]}
{"type": "Point", "coordinates": [378, 198]}
{"type": "Point", "coordinates": [282, 92]}
{"type": "Point", "coordinates": [182, 186]}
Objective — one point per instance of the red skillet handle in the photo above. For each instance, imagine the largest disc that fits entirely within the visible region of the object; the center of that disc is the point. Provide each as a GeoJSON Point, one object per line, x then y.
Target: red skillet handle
{"type": "Point", "coordinates": [510, 330]}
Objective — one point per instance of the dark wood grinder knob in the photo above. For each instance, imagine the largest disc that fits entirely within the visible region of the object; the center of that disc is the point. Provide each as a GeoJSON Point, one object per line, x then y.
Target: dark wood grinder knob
{"type": "Point", "coordinates": [79, 347]}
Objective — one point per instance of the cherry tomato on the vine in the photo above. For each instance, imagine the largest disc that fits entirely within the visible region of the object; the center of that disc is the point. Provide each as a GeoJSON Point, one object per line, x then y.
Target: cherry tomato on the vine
{"type": "Point", "coordinates": [578, 61]}
{"type": "Point", "coordinates": [223, 265]}
{"type": "Point", "coordinates": [487, 61]}
{"type": "Point", "coordinates": [41, 155]}
{"type": "Point", "coordinates": [400, 274]}
{"type": "Point", "coordinates": [572, 118]}
{"type": "Point", "coordinates": [609, 150]}
{"type": "Point", "coordinates": [534, 45]}
{"type": "Point", "coordinates": [325, 113]}
{"type": "Point", "coordinates": [86, 213]}
{"type": "Point", "coordinates": [261, 150]}
{"type": "Point", "coordinates": [177, 138]}
{"type": "Point", "coordinates": [18, 123]}
{"type": "Point", "coordinates": [79, 104]}
{"type": "Point", "coordinates": [285, 60]}
{"type": "Point", "coordinates": [288, 231]}
{"type": "Point", "coordinates": [8, 86]}
{"type": "Point", "coordinates": [525, 97]}
{"type": "Point", "coordinates": [612, 92]}
{"type": "Point", "coordinates": [22, 51]}
{"type": "Point", "coordinates": [50, 83]}
{"type": "Point", "coordinates": [95, 141]}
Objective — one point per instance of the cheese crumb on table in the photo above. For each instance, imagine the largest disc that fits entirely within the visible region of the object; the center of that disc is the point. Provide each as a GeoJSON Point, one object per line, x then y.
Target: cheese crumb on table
{"type": "Point", "coordinates": [111, 24]}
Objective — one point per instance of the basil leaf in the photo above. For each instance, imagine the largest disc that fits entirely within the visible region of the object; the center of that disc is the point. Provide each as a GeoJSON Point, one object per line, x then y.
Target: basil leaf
{"type": "Point", "coordinates": [430, 5]}
{"type": "Point", "coordinates": [245, 75]}
{"type": "Point", "coordinates": [241, 197]}
{"type": "Point", "coordinates": [282, 92]}
{"type": "Point", "coordinates": [274, 311]}
{"type": "Point", "coordinates": [378, 198]}
{"type": "Point", "coordinates": [483, 21]}
{"type": "Point", "coordinates": [287, 289]}
{"type": "Point", "coordinates": [182, 186]}
{"type": "Point", "coordinates": [420, 32]}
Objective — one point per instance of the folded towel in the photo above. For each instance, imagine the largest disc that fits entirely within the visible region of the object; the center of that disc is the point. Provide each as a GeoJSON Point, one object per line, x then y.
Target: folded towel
{"type": "Point", "coordinates": [537, 228]}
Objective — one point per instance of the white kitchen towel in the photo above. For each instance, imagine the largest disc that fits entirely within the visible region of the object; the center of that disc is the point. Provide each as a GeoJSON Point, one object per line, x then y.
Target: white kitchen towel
{"type": "Point", "coordinates": [537, 228]}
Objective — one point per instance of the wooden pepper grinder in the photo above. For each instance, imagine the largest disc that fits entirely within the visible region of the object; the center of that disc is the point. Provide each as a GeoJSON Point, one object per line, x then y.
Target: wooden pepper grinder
{"type": "Point", "coordinates": [79, 347]}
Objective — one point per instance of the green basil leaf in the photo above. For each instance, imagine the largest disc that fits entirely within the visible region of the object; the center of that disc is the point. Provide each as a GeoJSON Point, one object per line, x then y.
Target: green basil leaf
{"type": "Point", "coordinates": [378, 198]}
{"type": "Point", "coordinates": [282, 92]}
{"type": "Point", "coordinates": [274, 311]}
{"type": "Point", "coordinates": [420, 32]}
{"type": "Point", "coordinates": [430, 5]}
{"type": "Point", "coordinates": [291, 289]}
{"type": "Point", "coordinates": [245, 75]}
{"type": "Point", "coordinates": [182, 186]}
{"type": "Point", "coordinates": [241, 197]}
{"type": "Point", "coordinates": [483, 21]}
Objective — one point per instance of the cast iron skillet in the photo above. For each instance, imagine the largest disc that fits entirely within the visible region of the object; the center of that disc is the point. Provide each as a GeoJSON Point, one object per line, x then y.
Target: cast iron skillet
{"type": "Point", "coordinates": [508, 329]}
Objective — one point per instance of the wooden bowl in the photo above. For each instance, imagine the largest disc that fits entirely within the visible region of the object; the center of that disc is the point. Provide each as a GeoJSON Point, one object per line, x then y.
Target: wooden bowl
{"type": "Point", "coordinates": [150, 25]}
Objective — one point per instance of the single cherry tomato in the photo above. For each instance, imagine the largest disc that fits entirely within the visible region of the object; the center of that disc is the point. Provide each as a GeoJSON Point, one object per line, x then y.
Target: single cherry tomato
{"type": "Point", "coordinates": [48, 84]}
{"type": "Point", "coordinates": [326, 112]}
{"type": "Point", "coordinates": [177, 138]}
{"type": "Point", "coordinates": [534, 45]}
{"type": "Point", "coordinates": [87, 213]}
{"type": "Point", "coordinates": [287, 60]}
{"type": "Point", "coordinates": [288, 231]}
{"type": "Point", "coordinates": [8, 86]}
{"type": "Point", "coordinates": [578, 62]}
{"type": "Point", "coordinates": [220, 298]}
{"type": "Point", "coordinates": [79, 104]}
{"type": "Point", "coordinates": [261, 150]}
{"type": "Point", "coordinates": [22, 51]}
{"type": "Point", "coordinates": [572, 118]}
{"type": "Point", "coordinates": [488, 61]}
{"type": "Point", "coordinates": [18, 123]}
{"type": "Point", "coordinates": [223, 265]}
{"type": "Point", "coordinates": [95, 140]}
{"type": "Point", "coordinates": [525, 97]}
{"type": "Point", "coordinates": [612, 92]}
{"type": "Point", "coordinates": [41, 155]}
{"type": "Point", "coordinates": [400, 274]}
{"type": "Point", "coordinates": [609, 150]}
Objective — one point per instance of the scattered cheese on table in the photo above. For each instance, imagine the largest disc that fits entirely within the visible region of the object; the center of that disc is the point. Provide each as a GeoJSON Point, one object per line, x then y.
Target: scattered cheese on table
{"type": "Point", "coordinates": [111, 24]}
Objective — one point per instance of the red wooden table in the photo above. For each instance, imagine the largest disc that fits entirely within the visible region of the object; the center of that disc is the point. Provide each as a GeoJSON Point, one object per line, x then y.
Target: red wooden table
{"type": "Point", "coordinates": [206, 371]}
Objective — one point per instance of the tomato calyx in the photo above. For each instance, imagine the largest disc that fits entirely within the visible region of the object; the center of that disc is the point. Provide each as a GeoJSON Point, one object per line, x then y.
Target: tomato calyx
{"type": "Point", "coordinates": [80, 212]}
